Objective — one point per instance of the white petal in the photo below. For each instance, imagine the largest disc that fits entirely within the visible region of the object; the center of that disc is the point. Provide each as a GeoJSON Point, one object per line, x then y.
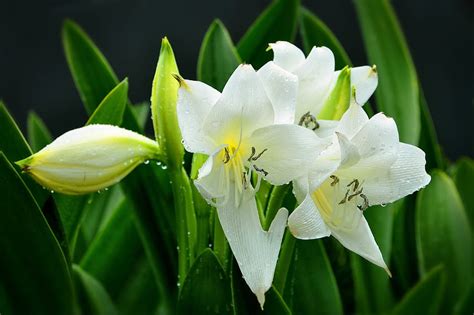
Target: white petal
{"type": "Point", "coordinates": [377, 143]}
{"type": "Point", "coordinates": [349, 152]}
{"type": "Point", "coordinates": [406, 176]}
{"type": "Point", "coordinates": [290, 151]}
{"type": "Point", "coordinates": [300, 188]}
{"type": "Point", "coordinates": [361, 241]}
{"type": "Point", "coordinates": [287, 55]}
{"type": "Point", "coordinates": [242, 107]}
{"type": "Point", "coordinates": [315, 77]}
{"type": "Point", "coordinates": [195, 100]}
{"type": "Point", "coordinates": [305, 222]}
{"type": "Point", "coordinates": [364, 79]}
{"type": "Point", "coordinates": [212, 182]}
{"type": "Point", "coordinates": [326, 128]}
{"type": "Point", "coordinates": [281, 87]}
{"type": "Point", "coordinates": [352, 121]}
{"type": "Point", "coordinates": [255, 250]}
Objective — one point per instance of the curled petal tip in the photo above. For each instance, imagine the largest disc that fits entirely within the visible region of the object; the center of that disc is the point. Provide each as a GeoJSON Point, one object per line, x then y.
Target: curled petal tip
{"type": "Point", "coordinates": [261, 297]}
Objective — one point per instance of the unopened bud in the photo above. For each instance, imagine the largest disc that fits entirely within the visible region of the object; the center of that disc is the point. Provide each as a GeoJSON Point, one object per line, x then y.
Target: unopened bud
{"type": "Point", "coordinates": [89, 159]}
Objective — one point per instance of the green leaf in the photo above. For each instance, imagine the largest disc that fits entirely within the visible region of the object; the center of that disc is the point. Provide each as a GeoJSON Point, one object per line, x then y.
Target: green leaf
{"type": "Point", "coordinates": [397, 94]}
{"type": "Point", "coordinates": [32, 267]}
{"type": "Point", "coordinates": [141, 112]}
{"type": "Point", "coordinates": [429, 139]}
{"type": "Point", "coordinates": [464, 180]}
{"type": "Point", "coordinates": [443, 235]}
{"type": "Point", "coordinates": [315, 33]}
{"type": "Point", "coordinates": [206, 288]}
{"type": "Point", "coordinates": [312, 287]}
{"type": "Point", "coordinates": [218, 57]}
{"type": "Point", "coordinates": [425, 297]}
{"type": "Point", "coordinates": [112, 107]}
{"type": "Point", "coordinates": [92, 297]}
{"type": "Point", "coordinates": [372, 289]}
{"type": "Point", "coordinates": [92, 73]}
{"type": "Point", "coordinates": [38, 134]}
{"type": "Point", "coordinates": [277, 22]}
{"type": "Point", "coordinates": [14, 147]}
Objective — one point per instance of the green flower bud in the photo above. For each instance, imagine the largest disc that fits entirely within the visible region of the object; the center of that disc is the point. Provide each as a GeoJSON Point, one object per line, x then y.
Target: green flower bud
{"type": "Point", "coordinates": [339, 100]}
{"type": "Point", "coordinates": [89, 159]}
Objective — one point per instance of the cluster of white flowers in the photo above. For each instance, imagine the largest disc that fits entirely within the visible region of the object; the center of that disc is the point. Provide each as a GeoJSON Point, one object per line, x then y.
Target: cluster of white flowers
{"type": "Point", "coordinates": [296, 119]}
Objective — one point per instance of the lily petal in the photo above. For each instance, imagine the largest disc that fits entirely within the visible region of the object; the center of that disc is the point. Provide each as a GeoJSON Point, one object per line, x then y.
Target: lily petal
{"type": "Point", "coordinates": [406, 176]}
{"type": "Point", "coordinates": [352, 121]}
{"type": "Point", "coordinates": [212, 182]}
{"type": "Point", "coordinates": [361, 241]}
{"type": "Point", "coordinates": [287, 55]}
{"type": "Point", "coordinates": [315, 78]}
{"type": "Point", "coordinates": [306, 223]}
{"type": "Point", "coordinates": [364, 80]}
{"type": "Point", "coordinates": [255, 250]}
{"type": "Point", "coordinates": [242, 107]}
{"type": "Point", "coordinates": [377, 143]}
{"type": "Point", "coordinates": [195, 100]}
{"type": "Point", "coordinates": [282, 88]}
{"type": "Point", "coordinates": [290, 151]}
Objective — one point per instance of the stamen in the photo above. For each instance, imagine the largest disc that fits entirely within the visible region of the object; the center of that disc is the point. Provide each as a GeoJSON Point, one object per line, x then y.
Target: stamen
{"type": "Point", "coordinates": [226, 155]}
{"type": "Point", "coordinates": [252, 156]}
{"type": "Point", "coordinates": [345, 198]}
{"type": "Point", "coordinates": [366, 203]}
{"type": "Point", "coordinates": [261, 170]}
{"type": "Point", "coordinates": [355, 194]}
{"type": "Point", "coordinates": [307, 119]}
{"type": "Point", "coordinates": [335, 180]}
{"type": "Point", "coordinates": [244, 180]}
{"type": "Point", "coordinates": [356, 184]}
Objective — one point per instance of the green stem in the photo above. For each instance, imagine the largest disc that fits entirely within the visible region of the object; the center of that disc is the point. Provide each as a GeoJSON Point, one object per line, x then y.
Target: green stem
{"type": "Point", "coordinates": [284, 262]}
{"type": "Point", "coordinates": [185, 220]}
{"type": "Point", "coordinates": [274, 204]}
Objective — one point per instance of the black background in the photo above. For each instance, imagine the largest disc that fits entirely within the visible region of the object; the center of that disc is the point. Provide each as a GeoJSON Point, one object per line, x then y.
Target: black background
{"type": "Point", "coordinates": [34, 74]}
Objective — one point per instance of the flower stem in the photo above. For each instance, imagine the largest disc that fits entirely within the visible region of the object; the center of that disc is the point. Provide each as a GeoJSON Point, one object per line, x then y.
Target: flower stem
{"type": "Point", "coordinates": [284, 262]}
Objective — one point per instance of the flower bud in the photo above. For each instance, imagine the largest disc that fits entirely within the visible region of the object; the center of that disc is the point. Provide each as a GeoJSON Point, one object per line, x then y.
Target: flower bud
{"type": "Point", "coordinates": [339, 98]}
{"type": "Point", "coordinates": [89, 159]}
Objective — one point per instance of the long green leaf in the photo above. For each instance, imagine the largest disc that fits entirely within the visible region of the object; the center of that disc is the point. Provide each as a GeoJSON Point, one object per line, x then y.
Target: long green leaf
{"type": "Point", "coordinates": [38, 134]}
{"type": "Point", "coordinates": [429, 139]}
{"type": "Point", "coordinates": [425, 297]}
{"type": "Point", "coordinates": [112, 107]}
{"type": "Point", "coordinates": [206, 288]}
{"type": "Point", "coordinates": [92, 73]}
{"type": "Point", "coordinates": [277, 22]}
{"type": "Point", "coordinates": [92, 297]}
{"type": "Point", "coordinates": [398, 92]}
{"type": "Point", "coordinates": [373, 293]}
{"type": "Point", "coordinates": [312, 287]}
{"type": "Point", "coordinates": [218, 57]}
{"type": "Point", "coordinates": [32, 266]}
{"type": "Point", "coordinates": [443, 235]}
{"type": "Point", "coordinates": [464, 180]}
{"type": "Point", "coordinates": [15, 148]}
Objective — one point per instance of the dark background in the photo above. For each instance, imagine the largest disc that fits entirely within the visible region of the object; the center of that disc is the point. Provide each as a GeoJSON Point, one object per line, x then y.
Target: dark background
{"type": "Point", "coordinates": [34, 74]}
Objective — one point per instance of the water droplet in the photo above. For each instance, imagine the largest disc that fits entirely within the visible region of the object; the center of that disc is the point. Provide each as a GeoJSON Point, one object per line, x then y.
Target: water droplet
{"type": "Point", "coordinates": [383, 204]}
{"type": "Point", "coordinates": [52, 191]}
{"type": "Point", "coordinates": [189, 233]}
{"type": "Point", "coordinates": [177, 247]}
{"type": "Point", "coordinates": [106, 188]}
{"type": "Point", "coordinates": [158, 163]}
{"type": "Point", "coordinates": [178, 284]}
{"type": "Point", "coordinates": [210, 245]}
{"type": "Point", "coordinates": [146, 162]}
{"type": "Point", "coordinates": [163, 166]}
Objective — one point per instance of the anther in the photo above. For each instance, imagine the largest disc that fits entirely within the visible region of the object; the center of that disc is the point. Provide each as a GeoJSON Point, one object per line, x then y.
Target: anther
{"type": "Point", "coordinates": [226, 156]}
{"type": "Point", "coordinates": [244, 180]}
{"type": "Point", "coordinates": [366, 203]}
{"type": "Point", "coordinates": [345, 198]}
{"type": "Point", "coordinates": [261, 170]}
{"type": "Point", "coordinates": [356, 184]}
{"type": "Point", "coordinates": [254, 157]}
{"type": "Point", "coordinates": [355, 194]}
{"type": "Point", "coordinates": [307, 119]}
{"type": "Point", "coordinates": [335, 180]}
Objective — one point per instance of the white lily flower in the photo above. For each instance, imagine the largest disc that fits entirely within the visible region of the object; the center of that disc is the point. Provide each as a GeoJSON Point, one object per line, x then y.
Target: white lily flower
{"type": "Point", "coordinates": [365, 165]}
{"type": "Point", "coordinates": [89, 159]}
{"type": "Point", "coordinates": [317, 77]}
{"type": "Point", "coordinates": [242, 131]}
